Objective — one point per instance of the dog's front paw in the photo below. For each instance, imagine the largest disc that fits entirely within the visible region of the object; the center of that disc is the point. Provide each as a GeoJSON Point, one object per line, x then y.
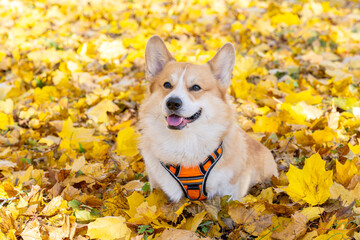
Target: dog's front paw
{"type": "Point", "coordinates": [173, 195]}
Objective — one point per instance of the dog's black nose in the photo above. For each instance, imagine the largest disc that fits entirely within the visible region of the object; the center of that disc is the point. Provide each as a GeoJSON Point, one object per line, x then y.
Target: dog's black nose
{"type": "Point", "coordinates": [174, 103]}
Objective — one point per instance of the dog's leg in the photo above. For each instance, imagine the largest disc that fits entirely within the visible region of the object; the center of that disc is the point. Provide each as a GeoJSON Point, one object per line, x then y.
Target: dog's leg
{"type": "Point", "coordinates": [243, 185]}
{"type": "Point", "coordinates": [152, 181]}
{"type": "Point", "coordinates": [151, 174]}
{"type": "Point", "coordinates": [160, 178]}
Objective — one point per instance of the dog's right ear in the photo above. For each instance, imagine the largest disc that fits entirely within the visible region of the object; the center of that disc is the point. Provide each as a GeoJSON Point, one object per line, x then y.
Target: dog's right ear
{"type": "Point", "coordinates": [156, 56]}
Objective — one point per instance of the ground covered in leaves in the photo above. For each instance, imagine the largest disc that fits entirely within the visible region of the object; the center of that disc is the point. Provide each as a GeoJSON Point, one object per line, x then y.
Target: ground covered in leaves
{"type": "Point", "coordinates": [72, 79]}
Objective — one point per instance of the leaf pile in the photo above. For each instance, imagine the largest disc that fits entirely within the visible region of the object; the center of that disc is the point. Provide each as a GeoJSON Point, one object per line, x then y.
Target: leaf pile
{"type": "Point", "coordinates": [72, 79]}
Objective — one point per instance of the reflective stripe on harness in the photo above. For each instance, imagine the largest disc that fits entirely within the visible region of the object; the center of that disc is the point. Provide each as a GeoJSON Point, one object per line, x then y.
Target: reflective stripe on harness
{"type": "Point", "coordinates": [192, 180]}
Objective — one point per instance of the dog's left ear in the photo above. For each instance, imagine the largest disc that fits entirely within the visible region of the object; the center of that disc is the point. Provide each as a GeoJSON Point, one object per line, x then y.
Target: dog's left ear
{"type": "Point", "coordinates": [222, 64]}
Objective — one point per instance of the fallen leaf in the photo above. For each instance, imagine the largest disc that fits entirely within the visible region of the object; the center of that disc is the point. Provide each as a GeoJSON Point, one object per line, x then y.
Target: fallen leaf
{"type": "Point", "coordinates": [134, 201]}
{"type": "Point", "coordinates": [310, 184]}
{"type": "Point", "coordinates": [99, 112]}
{"type": "Point", "coordinates": [109, 228]}
{"type": "Point", "coordinates": [193, 223]}
{"type": "Point", "coordinates": [345, 172]}
{"type": "Point", "coordinates": [173, 234]}
{"type": "Point", "coordinates": [252, 222]}
{"type": "Point", "coordinates": [71, 137]}
{"type": "Point", "coordinates": [78, 164]}
{"type": "Point", "coordinates": [312, 213]}
{"type": "Point", "coordinates": [295, 229]}
{"type": "Point", "coordinates": [32, 231]}
{"type": "Point", "coordinates": [126, 142]}
{"type": "Point", "coordinates": [266, 124]}
{"type": "Point", "coordinates": [55, 205]}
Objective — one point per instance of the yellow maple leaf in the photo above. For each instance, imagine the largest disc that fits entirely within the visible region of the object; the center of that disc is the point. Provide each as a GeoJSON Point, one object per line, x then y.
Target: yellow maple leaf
{"type": "Point", "coordinates": [99, 112]}
{"type": "Point", "coordinates": [312, 213]}
{"type": "Point", "coordinates": [6, 117]}
{"type": "Point", "coordinates": [339, 191]}
{"type": "Point", "coordinates": [2, 55]}
{"type": "Point", "coordinates": [109, 228]}
{"type": "Point", "coordinates": [99, 150]}
{"type": "Point", "coordinates": [341, 86]}
{"type": "Point", "coordinates": [344, 172]}
{"type": "Point", "coordinates": [7, 190]}
{"type": "Point", "coordinates": [6, 120]}
{"type": "Point", "coordinates": [7, 106]}
{"type": "Point", "coordinates": [237, 27]}
{"type": "Point", "coordinates": [241, 88]}
{"type": "Point", "coordinates": [134, 201]}
{"type": "Point", "coordinates": [334, 234]}
{"type": "Point", "coordinates": [287, 18]}
{"type": "Point", "coordinates": [45, 94]}
{"type": "Point", "coordinates": [346, 103]}
{"type": "Point", "coordinates": [55, 205]}
{"type": "Point", "coordinates": [193, 223]}
{"type": "Point", "coordinates": [310, 184]}
{"type": "Point", "coordinates": [72, 137]}
{"type": "Point", "coordinates": [324, 136]}
{"type": "Point", "coordinates": [303, 137]}
{"type": "Point", "coordinates": [157, 198]}
{"type": "Point", "coordinates": [309, 111]}
{"type": "Point", "coordinates": [292, 114]}
{"type": "Point", "coordinates": [87, 49]}
{"type": "Point", "coordinates": [126, 142]}
{"type": "Point", "coordinates": [266, 124]}
{"type": "Point", "coordinates": [24, 175]}
{"type": "Point", "coordinates": [355, 149]}
{"type": "Point", "coordinates": [305, 96]}
{"type": "Point", "coordinates": [145, 214]}
{"type": "Point", "coordinates": [111, 50]}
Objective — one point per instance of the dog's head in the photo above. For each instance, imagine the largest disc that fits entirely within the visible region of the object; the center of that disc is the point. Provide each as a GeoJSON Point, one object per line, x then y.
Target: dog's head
{"type": "Point", "coordinates": [187, 94]}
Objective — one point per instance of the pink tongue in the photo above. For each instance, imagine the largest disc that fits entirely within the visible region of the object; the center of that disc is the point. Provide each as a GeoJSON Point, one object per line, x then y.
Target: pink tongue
{"type": "Point", "coordinates": [174, 120]}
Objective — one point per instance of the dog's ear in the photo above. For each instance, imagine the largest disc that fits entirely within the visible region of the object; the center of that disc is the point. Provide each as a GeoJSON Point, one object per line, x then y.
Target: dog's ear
{"type": "Point", "coordinates": [222, 64]}
{"type": "Point", "coordinates": [156, 56]}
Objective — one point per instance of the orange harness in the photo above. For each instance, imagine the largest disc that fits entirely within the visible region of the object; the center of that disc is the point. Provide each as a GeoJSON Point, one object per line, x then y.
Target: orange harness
{"type": "Point", "coordinates": [192, 180]}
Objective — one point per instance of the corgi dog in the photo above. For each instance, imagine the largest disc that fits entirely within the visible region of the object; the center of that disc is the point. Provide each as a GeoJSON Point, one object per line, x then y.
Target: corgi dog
{"type": "Point", "coordinates": [190, 141]}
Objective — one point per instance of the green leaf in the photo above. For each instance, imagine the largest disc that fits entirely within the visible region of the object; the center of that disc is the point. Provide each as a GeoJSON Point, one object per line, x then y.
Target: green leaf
{"type": "Point", "coordinates": [95, 212]}
{"type": "Point", "coordinates": [75, 204]}
{"type": "Point", "coordinates": [142, 228]}
{"type": "Point", "coordinates": [138, 176]}
{"type": "Point", "coordinates": [84, 216]}
{"type": "Point", "coordinates": [39, 83]}
{"type": "Point", "coordinates": [31, 142]}
{"type": "Point", "coordinates": [81, 149]}
{"type": "Point", "coordinates": [78, 173]}
{"type": "Point", "coordinates": [146, 187]}
{"type": "Point", "coordinates": [26, 160]}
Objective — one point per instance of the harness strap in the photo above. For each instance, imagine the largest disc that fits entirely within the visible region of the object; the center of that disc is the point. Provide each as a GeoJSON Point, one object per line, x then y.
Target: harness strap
{"type": "Point", "coordinates": [192, 180]}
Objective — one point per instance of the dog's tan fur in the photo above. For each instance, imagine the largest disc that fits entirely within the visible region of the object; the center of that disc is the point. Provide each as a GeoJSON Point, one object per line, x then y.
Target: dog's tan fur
{"type": "Point", "coordinates": [244, 162]}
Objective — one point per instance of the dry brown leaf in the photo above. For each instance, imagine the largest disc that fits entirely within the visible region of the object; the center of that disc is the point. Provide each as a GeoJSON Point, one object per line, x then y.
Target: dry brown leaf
{"type": "Point", "coordinates": [174, 234]}
{"type": "Point", "coordinates": [296, 228]}
{"type": "Point", "coordinates": [32, 230]}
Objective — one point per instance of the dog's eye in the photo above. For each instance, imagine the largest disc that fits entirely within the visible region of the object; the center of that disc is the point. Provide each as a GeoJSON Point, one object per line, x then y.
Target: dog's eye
{"type": "Point", "coordinates": [195, 88]}
{"type": "Point", "coordinates": [167, 85]}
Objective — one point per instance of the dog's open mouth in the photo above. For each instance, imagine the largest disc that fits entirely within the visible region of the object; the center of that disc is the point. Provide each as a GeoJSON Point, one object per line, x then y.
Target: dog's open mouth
{"type": "Point", "coordinates": [177, 122]}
